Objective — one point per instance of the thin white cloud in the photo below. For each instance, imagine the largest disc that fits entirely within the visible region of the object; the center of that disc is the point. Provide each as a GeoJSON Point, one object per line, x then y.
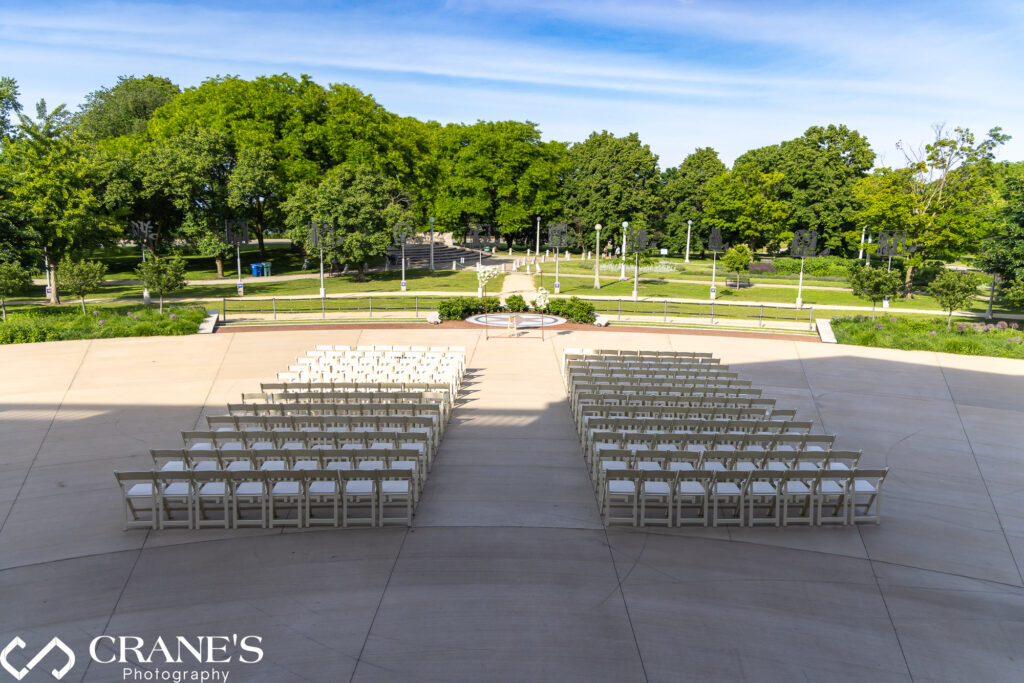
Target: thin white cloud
{"type": "Point", "coordinates": [460, 73]}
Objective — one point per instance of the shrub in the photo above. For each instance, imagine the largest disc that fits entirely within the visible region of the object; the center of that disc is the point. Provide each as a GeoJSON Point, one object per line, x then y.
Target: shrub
{"type": "Point", "coordinates": [574, 309]}
{"type": "Point", "coordinates": [921, 333]}
{"type": "Point", "coordinates": [461, 307]}
{"type": "Point", "coordinates": [515, 303]}
{"type": "Point", "coordinates": [54, 324]}
{"type": "Point", "coordinates": [820, 265]}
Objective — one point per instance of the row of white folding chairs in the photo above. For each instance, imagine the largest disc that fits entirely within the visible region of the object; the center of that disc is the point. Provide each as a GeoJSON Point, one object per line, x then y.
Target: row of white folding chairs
{"type": "Point", "coordinates": [427, 424]}
{"type": "Point", "coordinates": [206, 440]}
{"type": "Point", "coordinates": [692, 425]}
{"type": "Point", "coordinates": [624, 459]}
{"type": "Point", "coordinates": [266, 400]}
{"type": "Point", "coordinates": [758, 497]}
{"type": "Point", "coordinates": [371, 375]}
{"type": "Point", "coordinates": [646, 372]}
{"type": "Point", "coordinates": [689, 389]}
{"type": "Point", "coordinates": [670, 367]}
{"type": "Point", "coordinates": [698, 443]}
{"type": "Point", "coordinates": [458, 353]}
{"type": "Point", "coordinates": [297, 460]}
{"type": "Point", "coordinates": [409, 409]}
{"type": "Point", "coordinates": [592, 411]}
{"type": "Point", "coordinates": [336, 386]}
{"type": "Point", "coordinates": [457, 360]}
{"type": "Point", "coordinates": [586, 400]}
{"type": "Point", "coordinates": [181, 459]}
{"type": "Point", "coordinates": [637, 430]}
{"type": "Point", "coordinates": [390, 347]}
{"type": "Point", "coordinates": [266, 498]}
{"type": "Point", "coordinates": [571, 354]}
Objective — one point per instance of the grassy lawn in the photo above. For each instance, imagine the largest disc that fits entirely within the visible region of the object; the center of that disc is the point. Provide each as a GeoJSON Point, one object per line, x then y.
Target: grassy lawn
{"type": "Point", "coordinates": [929, 334]}
{"type": "Point", "coordinates": [765, 293]}
{"type": "Point", "coordinates": [121, 262]}
{"type": "Point", "coordinates": [418, 280]}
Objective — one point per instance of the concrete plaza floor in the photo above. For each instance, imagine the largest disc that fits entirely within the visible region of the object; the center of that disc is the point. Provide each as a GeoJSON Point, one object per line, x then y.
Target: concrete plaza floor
{"type": "Point", "coordinates": [507, 573]}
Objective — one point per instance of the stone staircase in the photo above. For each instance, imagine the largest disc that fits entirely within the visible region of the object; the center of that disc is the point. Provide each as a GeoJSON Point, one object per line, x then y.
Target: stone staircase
{"type": "Point", "coordinates": [418, 256]}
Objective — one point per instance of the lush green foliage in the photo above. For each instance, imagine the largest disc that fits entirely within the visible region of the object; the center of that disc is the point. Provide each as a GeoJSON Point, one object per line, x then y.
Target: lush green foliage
{"type": "Point", "coordinates": [81, 277]}
{"type": "Point", "coordinates": [685, 192]}
{"type": "Point", "coordinates": [13, 280]}
{"type": "Point", "coordinates": [574, 309]}
{"type": "Point", "coordinates": [833, 266]}
{"type": "Point", "coordinates": [954, 289]}
{"type": "Point", "coordinates": [57, 324]}
{"type": "Point", "coordinates": [978, 339]}
{"type": "Point", "coordinates": [125, 108]}
{"type": "Point", "coordinates": [461, 307]}
{"type": "Point", "coordinates": [515, 303]}
{"type": "Point", "coordinates": [737, 259]}
{"type": "Point", "coordinates": [162, 275]}
{"type": "Point", "coordinates": [874, 284]}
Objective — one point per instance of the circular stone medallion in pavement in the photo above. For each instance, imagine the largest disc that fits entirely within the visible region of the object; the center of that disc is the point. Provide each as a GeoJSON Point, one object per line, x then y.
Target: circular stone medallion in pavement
{"type": "Point", "coordinates": [519, 320]}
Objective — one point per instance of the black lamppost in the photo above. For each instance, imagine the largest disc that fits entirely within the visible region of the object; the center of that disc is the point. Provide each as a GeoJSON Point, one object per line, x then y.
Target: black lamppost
{"type": "Point", "coordinates": [804, 246]}
{"type": "Point", "coordinates": [714, 246]}
{"type": "Point", "coordinates": [637, 242]}
{"type": "Point", "coordinates": [143, 233]}
{"type": "Point", "coordinates": [319, 234]}
{"type": "Point", "coordinates": [236, 232]}
{"type": "Point", "coordinates": [557, 238]}
{"type": "Point", "coordinates": [402, 230]}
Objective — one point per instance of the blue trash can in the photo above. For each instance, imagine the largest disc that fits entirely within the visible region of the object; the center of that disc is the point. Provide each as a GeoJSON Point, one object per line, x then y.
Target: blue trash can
{"type": "Point", "coordinates": [257, 269]}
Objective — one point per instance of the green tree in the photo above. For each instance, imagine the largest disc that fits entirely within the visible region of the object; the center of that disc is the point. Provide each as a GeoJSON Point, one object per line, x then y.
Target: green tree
{"type": "Point", "coordinates": [499, 173]}
{"type": "Point", "coordinates": [9, 104]}
{"type": "Point", "coordinates": [256, 192]}
{"type": "Point", "coordinates": [362, 205]}
{"type": "Point", "coordinates": [56, 189]}
{"type": "Point", "coordinates": [81, 277]}
{"type": "Point", "coordinates": [1013, 293]}
{"type": "Point", "coordinates": [190, 173]}
{"type": "Point", "coordinates": [874, 284]}
{"type": "Point", "coordinates": [1003, 252]}
{"type": "Point", "coordinates": [954, 289]}
{"type": "Point", "coordinates": [744, 203]}
{"type": "Point", "coordinates": [737, 259]}
{"type": "Point", "coordinates": [13, 280]}
{"type": "Point", "coordinates": [610, 180]}
{"type": "Point", "coordinates": [126, 107]}
{"type": "Point", "coordinates": [162, 275]}
{"type": "Point", "coordinates": [684, 193]}
{"type": "Point", "coordinates": [819, 171]}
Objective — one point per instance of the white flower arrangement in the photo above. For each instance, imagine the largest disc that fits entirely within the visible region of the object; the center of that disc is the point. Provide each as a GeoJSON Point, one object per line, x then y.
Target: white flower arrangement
{"type": "Point", "coordinates": [540, 302]}
{"type": "Point", "coordinates": [485, 274]}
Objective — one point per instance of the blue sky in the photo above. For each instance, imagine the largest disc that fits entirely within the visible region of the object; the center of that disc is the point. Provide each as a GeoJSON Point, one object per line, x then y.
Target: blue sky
{"type": "Point", "coordinates": [681, 73]}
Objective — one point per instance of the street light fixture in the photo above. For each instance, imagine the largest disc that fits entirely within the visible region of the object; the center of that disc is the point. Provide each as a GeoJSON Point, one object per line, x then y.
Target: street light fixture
{"type": "Point", "coordinates": [557, 238]}
{"type": "Point", "coordinates": [637, 243]}
{"type": "Point", "coordinates": [143, 233]}
{"type": "Point", "coordinates": [318, 234]}
{"type": "Point", "coordinates": [622, 273]}
{"type": "Point", "coordinates": [236, 232]}
{"type": "Point", "coordinates": [431, 243]}
{"type": "Point", "coordinates": [597, 258]}
{"type": "Point", "coordinates": [804, 246]}
{"type": "Point", "coordinates": [714, 246]}
{"type": "Point", "coordinates": [402, 230]}
{"type": "Point", "coordinates": [689, 227]}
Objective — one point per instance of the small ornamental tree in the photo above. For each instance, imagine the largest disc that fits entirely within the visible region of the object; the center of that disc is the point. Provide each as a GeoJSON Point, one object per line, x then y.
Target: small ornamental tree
{"type": "Point", "coordinates": [13, 280]}
{"type": "Point", "coordinates": [954, 289]}
{"type": "Point", "coordinates": [1013, 293]}
{"type": "Point", "coordinates": [738, 260]}
{"type": "Point", "coordinates": [875, 284]}
{"type": "Point", "coordinates": [81, 277]}
{"type": "Point", "coordinates": [162, 275]}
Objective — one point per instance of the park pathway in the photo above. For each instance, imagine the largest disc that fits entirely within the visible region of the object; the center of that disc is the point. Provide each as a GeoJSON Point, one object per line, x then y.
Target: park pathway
{"type": "Point", "coordinates": [510, 455]}
{"type": "Point", "coordinates": [518, 283]}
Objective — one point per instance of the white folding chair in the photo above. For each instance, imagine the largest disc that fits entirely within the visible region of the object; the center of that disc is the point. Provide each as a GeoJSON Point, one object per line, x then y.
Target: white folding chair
{"type": "Point", "coordinates": [866, 495]}
{"type": "Point", "coordinates": [139, 493]}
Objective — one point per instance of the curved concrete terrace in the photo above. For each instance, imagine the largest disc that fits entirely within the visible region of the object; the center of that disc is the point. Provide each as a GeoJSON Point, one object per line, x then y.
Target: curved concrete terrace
{"type": "Point", "coordinates": [507, 573]}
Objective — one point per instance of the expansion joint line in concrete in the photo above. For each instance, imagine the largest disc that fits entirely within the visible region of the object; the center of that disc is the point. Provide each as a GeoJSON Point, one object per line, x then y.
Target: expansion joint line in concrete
{"type": "Point", "coordinates": [39, 449]}
{"type": "Point", "coordinates": [376, 611]}
{"type": "Point", "coordinates": [860, 533]}
{"type": "Point", "coordinates": [981, 475]}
